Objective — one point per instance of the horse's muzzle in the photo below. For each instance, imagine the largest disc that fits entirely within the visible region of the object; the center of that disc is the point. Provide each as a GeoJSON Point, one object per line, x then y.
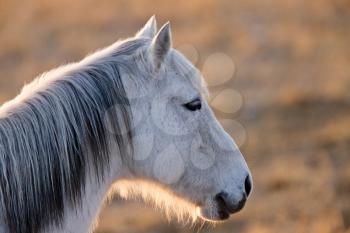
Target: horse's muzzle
{"type": "Point", "coordinates": [225, 204]}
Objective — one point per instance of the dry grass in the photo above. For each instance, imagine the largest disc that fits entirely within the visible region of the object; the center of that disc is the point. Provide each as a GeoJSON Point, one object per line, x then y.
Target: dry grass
{"type": "Point", "coordinates": [293, 66]}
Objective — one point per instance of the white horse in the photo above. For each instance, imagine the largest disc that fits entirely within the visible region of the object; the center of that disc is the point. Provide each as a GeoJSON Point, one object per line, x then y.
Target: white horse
{"type": "Point", "coordinates": [130, 119]}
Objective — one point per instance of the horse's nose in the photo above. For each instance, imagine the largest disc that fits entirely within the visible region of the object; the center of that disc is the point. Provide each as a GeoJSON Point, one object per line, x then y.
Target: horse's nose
{"type": "Point", "coordinates": [247, 185]}
{"type": "Point", "coordinates": [229, 205]}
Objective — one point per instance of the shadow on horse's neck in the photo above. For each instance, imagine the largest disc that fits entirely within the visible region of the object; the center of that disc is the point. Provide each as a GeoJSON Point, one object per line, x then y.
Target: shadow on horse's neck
{"type": "Point", "coordinates": [81, 218]}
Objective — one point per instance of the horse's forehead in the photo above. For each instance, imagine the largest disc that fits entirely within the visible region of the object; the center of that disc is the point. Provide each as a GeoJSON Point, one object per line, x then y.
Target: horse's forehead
{"type": "Point", "coordinates": [187, 72]}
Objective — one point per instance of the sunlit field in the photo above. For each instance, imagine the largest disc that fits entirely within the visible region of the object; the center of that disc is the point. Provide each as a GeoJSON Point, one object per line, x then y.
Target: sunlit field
{"type": "Point", "coordinates": [279, 76]}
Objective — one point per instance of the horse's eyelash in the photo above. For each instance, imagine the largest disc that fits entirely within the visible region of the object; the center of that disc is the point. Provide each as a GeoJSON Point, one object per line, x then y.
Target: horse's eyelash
{"type": "Point", "coordinates": [194, 105]}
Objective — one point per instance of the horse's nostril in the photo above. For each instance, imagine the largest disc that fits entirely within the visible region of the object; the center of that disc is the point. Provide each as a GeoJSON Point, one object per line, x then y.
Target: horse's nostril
{"type": "Point", "coordinates": [247, 185]}
{"type": "Point", "coordinates": [221, 198]}
{"type": "Point", "coordinates": [225, 204]}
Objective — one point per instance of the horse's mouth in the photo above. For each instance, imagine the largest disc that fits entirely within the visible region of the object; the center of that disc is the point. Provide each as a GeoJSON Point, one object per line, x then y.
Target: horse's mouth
{"type": "Point", "coordinates": [213, 215]}
{"type": "Point", "coordinates": [218, 210]}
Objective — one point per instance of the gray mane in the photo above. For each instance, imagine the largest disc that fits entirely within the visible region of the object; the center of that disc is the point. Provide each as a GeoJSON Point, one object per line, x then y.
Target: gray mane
{"type": "Point", "coordinates": [50, 140]}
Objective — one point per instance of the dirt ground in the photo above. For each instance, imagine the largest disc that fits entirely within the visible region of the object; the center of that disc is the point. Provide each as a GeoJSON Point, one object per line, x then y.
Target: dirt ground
{"type": "Point", "coordinates": [292, 70]}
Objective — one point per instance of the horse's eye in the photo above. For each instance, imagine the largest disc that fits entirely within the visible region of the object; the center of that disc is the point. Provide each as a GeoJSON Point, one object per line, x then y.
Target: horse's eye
{"type": "Point", "coordinates": [194, 105]}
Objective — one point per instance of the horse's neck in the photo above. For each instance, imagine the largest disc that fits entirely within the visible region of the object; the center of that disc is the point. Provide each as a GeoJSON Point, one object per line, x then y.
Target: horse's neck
{"type": "Point", "coordinates": [81, 219]}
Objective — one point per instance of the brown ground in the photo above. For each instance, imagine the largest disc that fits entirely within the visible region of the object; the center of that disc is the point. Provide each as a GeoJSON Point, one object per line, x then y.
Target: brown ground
{"type": "Point", "coordinates": [293, 69]}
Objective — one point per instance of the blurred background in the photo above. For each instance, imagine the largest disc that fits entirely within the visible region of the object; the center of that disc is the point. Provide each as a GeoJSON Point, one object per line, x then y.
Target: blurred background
{"type": "Point", "coordinates": [279, 73]}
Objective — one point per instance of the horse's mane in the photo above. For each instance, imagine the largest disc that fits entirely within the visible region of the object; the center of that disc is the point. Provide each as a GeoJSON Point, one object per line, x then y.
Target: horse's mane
{"type": "Point", "coordinates": [54, 132]}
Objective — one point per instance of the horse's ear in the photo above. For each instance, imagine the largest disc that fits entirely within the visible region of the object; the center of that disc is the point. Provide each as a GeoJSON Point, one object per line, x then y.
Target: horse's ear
{"type": "Point", "coordinates": [161, 45]}
{"type": "Point", "coordinates": [150, 28]}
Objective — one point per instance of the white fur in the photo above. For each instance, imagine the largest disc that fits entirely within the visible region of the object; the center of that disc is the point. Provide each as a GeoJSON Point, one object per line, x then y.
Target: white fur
{"type": "Point", "coordinates": [188, 189]}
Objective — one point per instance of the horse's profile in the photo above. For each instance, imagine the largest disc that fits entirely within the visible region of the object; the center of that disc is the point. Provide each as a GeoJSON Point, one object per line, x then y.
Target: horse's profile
{"type": "Point", "coordinates": [130, 119]}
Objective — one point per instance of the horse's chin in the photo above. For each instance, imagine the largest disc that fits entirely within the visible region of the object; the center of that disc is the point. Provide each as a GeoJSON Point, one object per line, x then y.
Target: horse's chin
{"type": "Point", "coordinates": [212, 214]}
